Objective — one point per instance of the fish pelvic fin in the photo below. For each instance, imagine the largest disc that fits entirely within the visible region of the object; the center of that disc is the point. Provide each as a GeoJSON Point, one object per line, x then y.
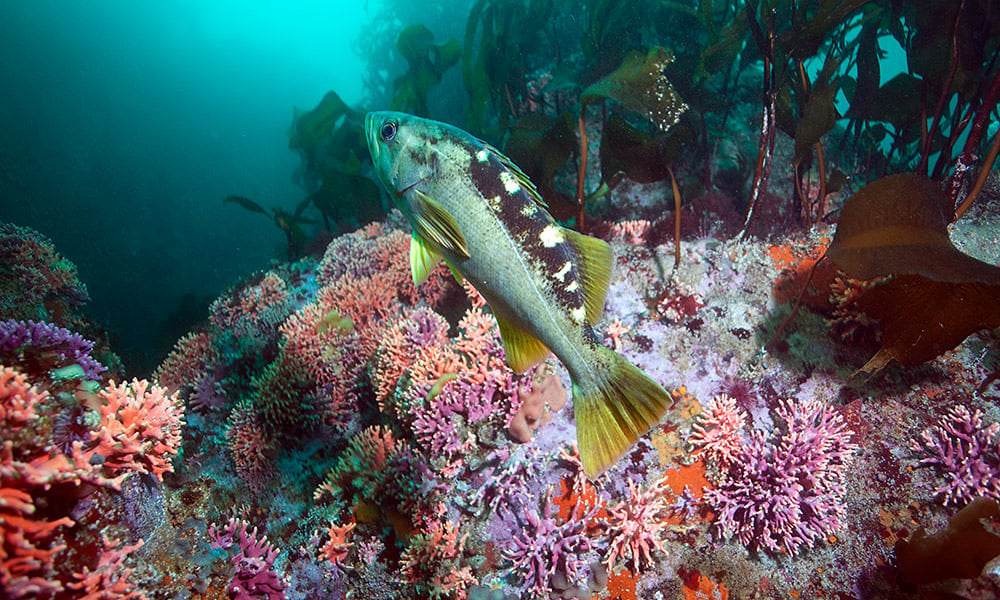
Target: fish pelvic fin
{"type": "Point", "coordinates": [522, 349]}
{"type": "Point", "coordinates": [613, 409]}
{"type": "Point", "coordinates": [595, 272]}
{"type": "Point", "coordinates": [434, 224]}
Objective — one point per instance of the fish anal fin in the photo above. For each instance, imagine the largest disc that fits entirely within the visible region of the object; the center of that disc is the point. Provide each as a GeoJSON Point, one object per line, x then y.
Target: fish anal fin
{"type": "Point", "coordinates": [523, 350]}
{"type": "Point", "coordinates": [423, 259]}
{"type": "Point", "coordinates": [436, 225]}
{"type": "Point", "coordinates": [613, 409]}
{"type": "Point", "coordinates": [595, 272]}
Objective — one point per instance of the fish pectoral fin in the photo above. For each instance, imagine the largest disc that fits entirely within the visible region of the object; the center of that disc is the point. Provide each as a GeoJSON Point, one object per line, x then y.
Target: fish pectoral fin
{"type": "Point", "coordinates": [436, 225]}
{"type": "Point", "coordinates": [423, 259]}
{"type": "Point", "coordinates": [454, 272]}
{"type": "Point", "coordinates": [613, 409]}
{"type": "Point", "coordinates": [523, 350]}
{"type": "Point", "coordinates": [595, 272]}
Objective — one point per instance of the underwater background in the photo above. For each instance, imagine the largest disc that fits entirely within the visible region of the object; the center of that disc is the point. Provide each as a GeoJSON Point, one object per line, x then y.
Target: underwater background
{"type": "Point", "coordinates": [219, 380]}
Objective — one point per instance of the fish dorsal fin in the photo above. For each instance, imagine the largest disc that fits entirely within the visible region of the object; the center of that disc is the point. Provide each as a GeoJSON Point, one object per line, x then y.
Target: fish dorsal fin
{"type": "Point", "coordinates": [595, 271]}
{"type": "Point", "coordinates": [523, 180]}
{"type": "Point", "coordinates": [435, 225]}
{"type": "Point", "coordinates": [523, 350]}
{"type": "Point", "coordinates": [423, 259]}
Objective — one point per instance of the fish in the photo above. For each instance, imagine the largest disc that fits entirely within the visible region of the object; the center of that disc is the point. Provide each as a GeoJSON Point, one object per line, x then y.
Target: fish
{"type": "Point", "coordinates": [546, 285]}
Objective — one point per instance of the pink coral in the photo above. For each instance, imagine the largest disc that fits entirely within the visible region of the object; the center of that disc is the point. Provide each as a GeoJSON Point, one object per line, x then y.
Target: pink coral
{"type": "Point", "coordinates": [108, 580]}
{"type": "Point", "coordinates": [966, 452]}
{"type": "Point", "coordinates": [635, 527]}
{"type": "Point", "coordinates": [717, 431]}
{"type": "Point", "coordinates": [253, 558]}
{"type": "Point", "coordinates": [18, 399]}
{"type": "Point", "coordinates": [140, 428]}
{"type": "Point", "coordinates": [783, 494]}
{"type": "Point", "coordinates": [185, 362]}
{"type": "Point", "coordinates": [249, 446]}
{"type": "Point", "coordinates": [28, 548]}
{"type": "Point", "coordinates": [335, 550]}
{"type": "Point", "coordinates": [434, 562]}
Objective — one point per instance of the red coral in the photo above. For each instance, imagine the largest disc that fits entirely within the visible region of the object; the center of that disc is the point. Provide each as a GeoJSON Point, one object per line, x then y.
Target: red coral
{"type": "Point", "coordinates": [27, 544]}
{"type": "Point", "coordinates": [140, 428]}
{"type": "Point", "coordinates": [18, 399]}
{"type": "Point", "coordinates": [108, 580]}
{"type": "Point", "coordinates": [335, 550]}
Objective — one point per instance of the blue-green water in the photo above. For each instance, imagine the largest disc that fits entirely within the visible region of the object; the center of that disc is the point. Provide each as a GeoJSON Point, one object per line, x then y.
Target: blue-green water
{"type": "Point", "coordinates": [123, 126]}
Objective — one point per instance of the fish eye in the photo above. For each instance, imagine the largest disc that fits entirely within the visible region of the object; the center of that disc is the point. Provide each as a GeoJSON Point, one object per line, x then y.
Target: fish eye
{"type": "Point", "coordinates": [388, 131]}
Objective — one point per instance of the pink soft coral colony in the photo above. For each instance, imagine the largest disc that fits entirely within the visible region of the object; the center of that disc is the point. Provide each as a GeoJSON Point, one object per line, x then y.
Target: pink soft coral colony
{"type": "Point", "coordinates": [333, 431]}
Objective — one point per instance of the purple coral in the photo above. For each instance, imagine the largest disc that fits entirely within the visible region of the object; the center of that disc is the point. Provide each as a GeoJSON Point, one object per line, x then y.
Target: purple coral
{"type": "Point", "coordinates": [965, 452]}
{"type": "Point", "coordinates": [546, 552]}
{"type": "Point", "coordinates": [42, 343]}
{"type": "Point", "coordinates": [253, 559]}
{"type": "Point", "coordinates": [787, 493]}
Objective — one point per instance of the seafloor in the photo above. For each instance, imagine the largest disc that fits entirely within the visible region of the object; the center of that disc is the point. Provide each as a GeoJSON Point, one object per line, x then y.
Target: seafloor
{"type": "Point", "coordinates": [348, 436]}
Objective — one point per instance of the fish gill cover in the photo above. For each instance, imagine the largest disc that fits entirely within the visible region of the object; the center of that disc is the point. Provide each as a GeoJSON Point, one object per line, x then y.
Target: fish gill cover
{"type": "Point", "coordinates": [332, 429]}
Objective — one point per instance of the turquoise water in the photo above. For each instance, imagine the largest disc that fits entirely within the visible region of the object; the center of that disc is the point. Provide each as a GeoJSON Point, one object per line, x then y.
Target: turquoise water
{"type": "Point", "coordinates": [124, 125]}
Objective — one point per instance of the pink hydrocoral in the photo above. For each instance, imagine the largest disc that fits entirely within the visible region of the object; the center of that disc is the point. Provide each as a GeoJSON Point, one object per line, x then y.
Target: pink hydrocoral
{"type": "Point", "coordinates": [965, 452]}
{"type": "Point", "coordinates": [249, 446]}
{"type": "Point", "coordinates": [335, 550]}
{"type": "Point", "coordinates": [185, 362]}
{"type": "Point", "coordinates": [717, 431]}
{"type": "Point", "coordinates": [253, 558]}
{"type": "Point", "coordinates": [140, 428]}
{"type": "Point", "coordinates": [543, 547]}
{"type": "Point", "coordinates": [783, 494]}
{"type": "Point", "coordinates": [434, 562]}
{"type": "Point", "coordinates": [28, 547]}
{"type": "Point", "coordinates": [108, 580]}
{"type": "Point", "coordinates": [38, 283]}
{"type": "Point", "coordinates": [18, 399]}
{"type": "Point", "coordinates": [254, 310]}
{"type": "Point", "coordinates": [635, 527]}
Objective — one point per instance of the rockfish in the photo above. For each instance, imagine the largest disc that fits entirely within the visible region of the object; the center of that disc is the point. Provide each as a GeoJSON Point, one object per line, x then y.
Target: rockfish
{"type": "Point", "coordinates": [546, 285]}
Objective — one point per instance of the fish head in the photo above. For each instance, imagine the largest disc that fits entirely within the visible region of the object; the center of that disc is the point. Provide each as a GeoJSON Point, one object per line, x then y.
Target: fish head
{"type": "Point", "coordinates": [401, 151]}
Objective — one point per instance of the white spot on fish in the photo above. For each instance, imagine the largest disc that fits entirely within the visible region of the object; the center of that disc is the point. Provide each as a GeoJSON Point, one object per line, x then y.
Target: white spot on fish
{"type": "Point", "coordinates": [528, 209]}
{"type": "Point", "coordinates": [509, 182]}
{"type": "Point", "coordinates": [495, 203]}
{"type": "Point", "coordinates": [578, 314]}
{"type": "Point", "coordinates": [483, 155]}
{"type": "Point", "coordinates": [552, 236]}
{"type": "Point", "coordinates": [561, 273]}
{"type": "Point", "coordinates": [573, 285]}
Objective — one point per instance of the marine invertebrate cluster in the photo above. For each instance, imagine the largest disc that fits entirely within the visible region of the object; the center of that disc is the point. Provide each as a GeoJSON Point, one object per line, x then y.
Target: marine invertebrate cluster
{"type": "Point", "coordinates": [52, 493]}
{"type": "Point", "coordinates": [434, 561]}
{"type": "Point", "coordinates": [781, 494]}
{"type": "Point", "coordinates": [964, 452]}
{"type": "Point", "coordinates": [252, 558]}
{"type": "Point", "coordinates": [635, 527]}
{"type": "Point", "coordinates": [36, 282]}
{"type": "Point", "coordinates": [546, 552]}
{"type": "Point", "coordinates": [40, 346]}
{"type": "Point", "coordinates": [140, 429]}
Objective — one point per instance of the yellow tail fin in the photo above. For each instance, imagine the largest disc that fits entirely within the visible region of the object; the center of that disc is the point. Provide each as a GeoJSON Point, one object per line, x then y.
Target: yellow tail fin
{"type": "Point", "coordinates": [613, 408]}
